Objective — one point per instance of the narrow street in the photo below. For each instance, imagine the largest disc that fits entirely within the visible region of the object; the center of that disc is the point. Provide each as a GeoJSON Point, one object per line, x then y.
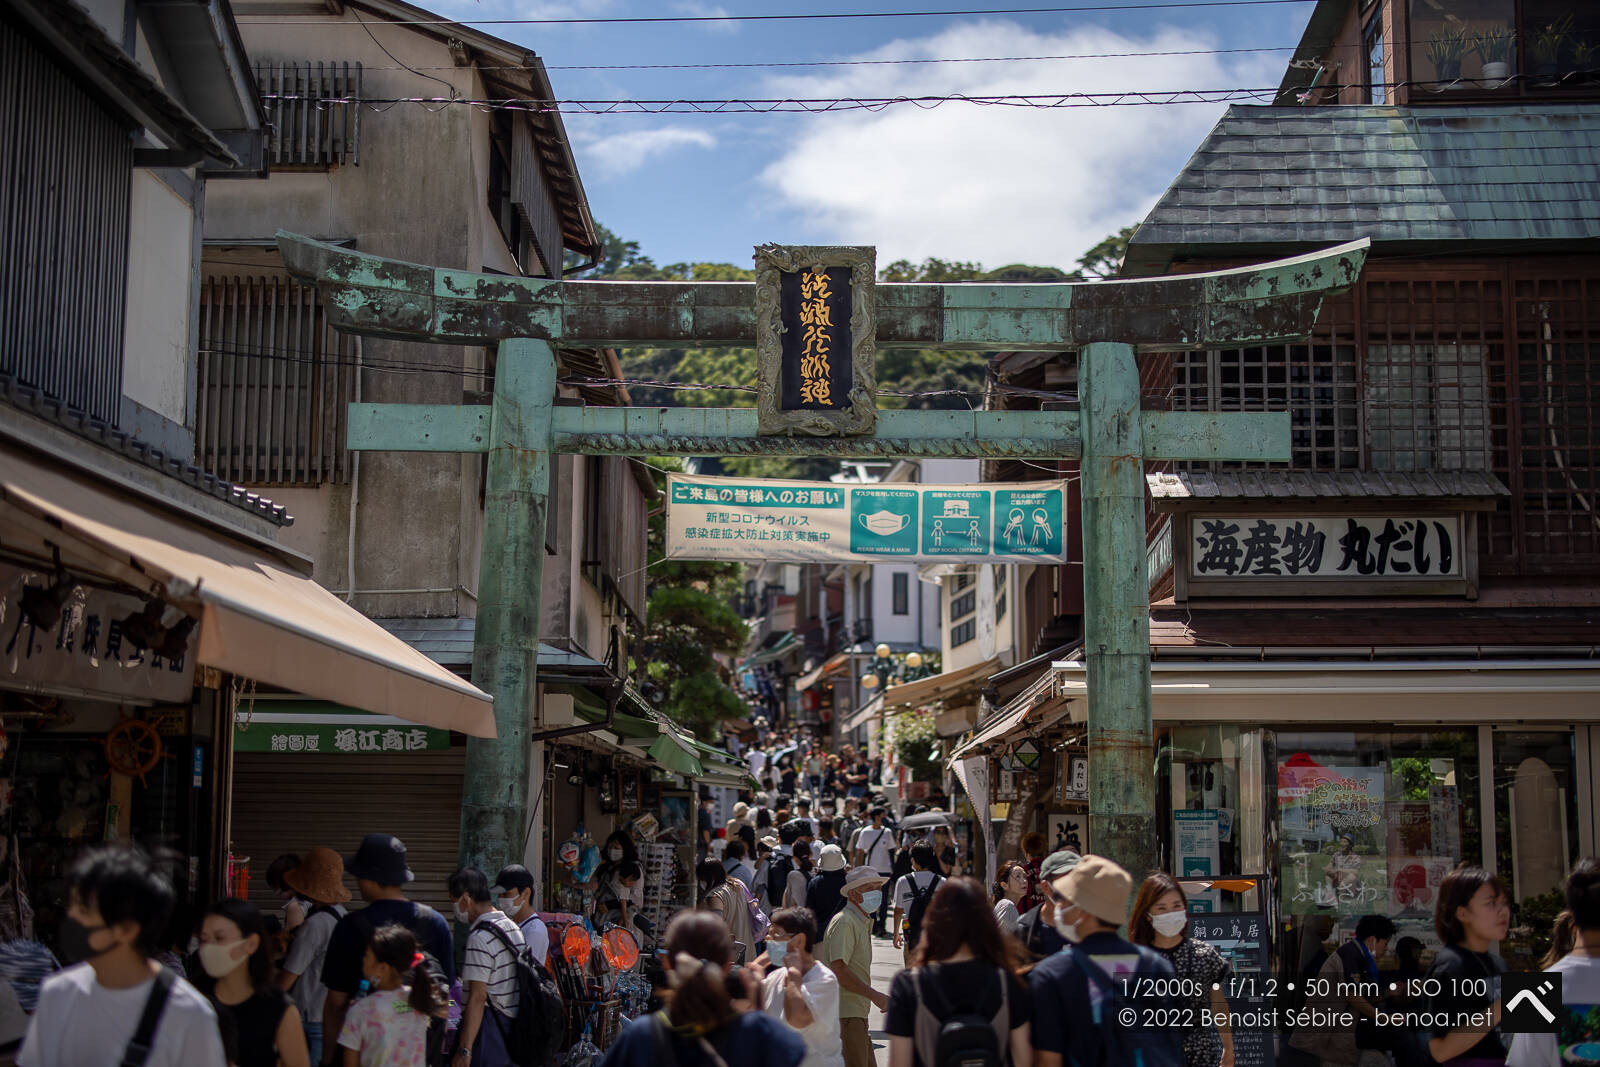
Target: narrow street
{"type": "Point", "coordinates": [887, 962]}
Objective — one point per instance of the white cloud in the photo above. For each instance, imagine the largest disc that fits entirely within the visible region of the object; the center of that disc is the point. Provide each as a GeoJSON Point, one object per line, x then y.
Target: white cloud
{"type": "Point", "coordinates": [623, 153]}
{"type": "Point", "coordinates": [722, 23]}
{"type": "Point", "coordinates": [999, 184]}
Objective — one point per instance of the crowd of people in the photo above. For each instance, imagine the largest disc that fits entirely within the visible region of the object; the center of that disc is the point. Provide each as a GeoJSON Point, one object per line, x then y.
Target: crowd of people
{"type": "Point", "coordinates": [1065, 960]}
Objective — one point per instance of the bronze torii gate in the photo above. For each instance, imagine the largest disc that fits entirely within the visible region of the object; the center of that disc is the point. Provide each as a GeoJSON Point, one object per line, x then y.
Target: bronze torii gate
{"type": "Point", "coordinates": [1107, 323]}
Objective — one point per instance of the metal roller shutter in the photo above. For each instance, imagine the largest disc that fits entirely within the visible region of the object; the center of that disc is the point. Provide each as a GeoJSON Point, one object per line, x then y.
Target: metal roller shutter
{"type": "Point", "coordinates": [289, 803]}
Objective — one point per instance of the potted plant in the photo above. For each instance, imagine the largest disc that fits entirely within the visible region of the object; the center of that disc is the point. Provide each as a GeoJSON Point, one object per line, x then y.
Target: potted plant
{"type": "Point", "coordinates": [1445, 49]}
{"type": "Point", "coordinates": [1547, 48]}
{"type": "Point", "coordinates": [1493, 46]}
{"type": "Point", "coordinates": [1585, 61]}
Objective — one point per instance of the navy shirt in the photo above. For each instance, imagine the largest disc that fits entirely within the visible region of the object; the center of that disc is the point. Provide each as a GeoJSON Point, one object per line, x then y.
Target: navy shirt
{"type": "Point", "coordinates": [1067, 1010]}
{"type": "Point", "coordinates": [754, 1039]}
{"type": "Point", "coordinates": [341, 968]}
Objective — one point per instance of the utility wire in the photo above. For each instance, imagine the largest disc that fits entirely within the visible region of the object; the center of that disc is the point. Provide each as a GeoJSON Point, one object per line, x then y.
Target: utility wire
{"type": "Point", "coordinates": [789, 17]}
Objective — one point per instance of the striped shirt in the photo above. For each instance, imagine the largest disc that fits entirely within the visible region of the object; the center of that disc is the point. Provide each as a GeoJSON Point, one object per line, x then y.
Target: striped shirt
{"type": "Point", "coordinates": [490, 962]}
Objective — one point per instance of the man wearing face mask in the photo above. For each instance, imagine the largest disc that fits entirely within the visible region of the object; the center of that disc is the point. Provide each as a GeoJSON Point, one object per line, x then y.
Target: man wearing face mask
{"type": "Point", "coordinates": [1035, 927]}
{"type": "Point", "coordinates": [1080, 995]}
{"type": "Point", "coordinates": [513, 891]}
{"type": "Point", "coordinates": [801, 991]}
{"type": "Point", "coordinates": [488, 972]}
{"type": "Point", "coordinates": [848, 946]}
{"type": "Point", "coordinates": [89, 1013]}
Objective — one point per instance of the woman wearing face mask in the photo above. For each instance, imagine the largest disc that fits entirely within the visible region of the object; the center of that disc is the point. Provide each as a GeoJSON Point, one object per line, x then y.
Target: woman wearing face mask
{"type": "Point", "coordinates": [611, 896]}
{"type": "Point", "coordinates": [1009, 889]}
{"type": "Point", "coordinates": [712, 1018]}
{"type": "Point", "coordinates": [1160, 919]}
{"type": "Point", "coordinates": [254, 1012]}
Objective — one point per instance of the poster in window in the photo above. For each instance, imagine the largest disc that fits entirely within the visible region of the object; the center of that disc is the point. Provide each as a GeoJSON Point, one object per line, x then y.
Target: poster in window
{"type": "Point", "coordinates": [1334, 838]}
{"type": "Point", "coordinates": [628, 790]}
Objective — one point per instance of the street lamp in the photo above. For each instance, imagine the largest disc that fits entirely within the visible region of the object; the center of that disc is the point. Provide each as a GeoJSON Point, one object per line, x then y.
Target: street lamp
{"type": "Point", "coordinates": [886, 670]}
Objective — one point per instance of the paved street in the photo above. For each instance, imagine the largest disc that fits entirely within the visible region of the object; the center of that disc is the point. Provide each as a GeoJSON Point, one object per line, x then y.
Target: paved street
{"type": "Point", "coordinates": [886, 963]}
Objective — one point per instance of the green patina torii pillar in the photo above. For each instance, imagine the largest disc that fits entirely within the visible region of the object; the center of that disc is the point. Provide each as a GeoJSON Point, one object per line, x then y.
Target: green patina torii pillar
{"type": "Point", "coordinates": [1107, 323]}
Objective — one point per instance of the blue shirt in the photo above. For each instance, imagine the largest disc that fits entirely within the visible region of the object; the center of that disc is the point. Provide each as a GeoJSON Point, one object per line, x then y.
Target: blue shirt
{"type": "Point", "coordinates": [754, 1039]}
{"type": "Point", "coordinates": [1067, 1010]}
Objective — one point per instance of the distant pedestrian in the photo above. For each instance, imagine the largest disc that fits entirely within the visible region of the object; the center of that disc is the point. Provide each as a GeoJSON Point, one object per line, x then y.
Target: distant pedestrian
{"type": "Point", "coordinates": [89, 1013]}
{"type": "Point", "coordinates": [513, 890]}
{"type": "Point", "coordinates": [1077, 992]}
{"type": "Point", "coordinates": [1580, 980]}
{"type": "Point", "coordinates": [1036, 926]}
{"type": "Point", "coordinates": [1160, 919]}
{"type": "Point", "coordinates": [293, 905]}
{"type": "Point", "coordinates": [800, 990]}
{"type": "Point", "coordinates": [912, 894]}
{"type": "Point", "coordinates": [389, 1026]}
{"type": "Point", "coordinates": [379, 868]}
{"type": "Point", "coordinates": [794, 893]}
{"type": "Point", "coordinates": [1353, 967]}
{"type": "Point", "coordinates": [963, 969]}
{"type": "Point", "coordinates": [488, 972]}
{"type": "Point", "coordinates": [1034, 847]}
{"type": "Point", "coordinates": [848, 946]}
{"type": "Point", "coordinates": [825, 890]}
{"type": "Point", "coordinates": [1010, 886]}
{"type": "Point", "coordinates": [260, 1025]}
{"type": "Point", "coordinates": [319, 880]}
{"type": "Point", "coordinates": [872, 846]}
{"type": "Point", "coordinates": [735, 863]}
{"type": "Point", "coordinates": [1471, 913]}
{"type": "Point", "coordinates": [704, 1024]}
{"type": "Point", "coordinates": [727, 900]}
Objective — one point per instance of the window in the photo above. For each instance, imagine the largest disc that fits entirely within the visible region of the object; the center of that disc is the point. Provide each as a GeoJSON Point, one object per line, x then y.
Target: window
{"type": "Point", "coordinates": [964, 604]}
{"type": "Point", "coordinates": [520, 200]}
{"type": "Point", "coordinates": [312, 120]}
{"type": "Point", "coordinates": [1000, 592]}
{"type": "Point", "coordinates": [961, 633]}
{"type": "Point", "coordinates": [902, 594]}
{"type": "Point", "coordinates": [1377, 74]}
{"type": "Point", "coordinates": [274, 383]}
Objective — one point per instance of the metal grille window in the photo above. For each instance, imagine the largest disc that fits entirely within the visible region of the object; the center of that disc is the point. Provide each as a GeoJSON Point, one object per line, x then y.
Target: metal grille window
{"type": "Point", "coordinates": [961, 633]}
{"type": "Point", "coordinates": [964, 604]}
{"type": "Point", "coordinates": [274, 382]}
{"type": "Point", "coordinates": [1556, 469]}
{"type": "Point", "coordinates": [1317, 383]}
{"type": "Point", "coordinates": [312, 115]}
{"type": "Point", "coordinates": [902, 594]}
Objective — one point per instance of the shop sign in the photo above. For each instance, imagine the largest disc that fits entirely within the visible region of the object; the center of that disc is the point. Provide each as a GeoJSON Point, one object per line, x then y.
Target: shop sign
{"type": "Point", "coordinates": [729, 518]}
{"type": "Point", "coordinates": [815, 347]}
{"type": "Point", "coordinates": [337, 739]}
{"type": "Point", "coordinates": [1275, 548]}
{"type": "Point", "coordinates": [87, 650]}
{"type": "Point", "coordinates": [1072, 777]}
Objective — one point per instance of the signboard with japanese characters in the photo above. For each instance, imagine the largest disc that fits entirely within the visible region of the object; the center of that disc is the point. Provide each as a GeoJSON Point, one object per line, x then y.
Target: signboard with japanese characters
{"type": "Point", "coordinates": [1266, 554]}
{"type": "Point", "coordinates": [729, 518]}
{"type": "Point", "coordinates": [85, 651]}
{"type": "Point", "coordinates": [814, 340]}
{"type": "Point", "coordinates": [317, 729]}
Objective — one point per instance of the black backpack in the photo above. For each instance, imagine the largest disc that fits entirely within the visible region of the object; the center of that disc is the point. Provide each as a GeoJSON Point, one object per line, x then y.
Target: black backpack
{"type": "Point", "coordinates": [535, 1035]}
{"type": "Point", "coordinates": [967, 1039]}
{"type": "Point", "coordinates": [1122, 1045]}
{"type": "Point", "coordinates": [437, 1028]}
{"type": "Point", "coordinates": [919, 907]}
{"type": "Point", "coordinates": [778, 868]}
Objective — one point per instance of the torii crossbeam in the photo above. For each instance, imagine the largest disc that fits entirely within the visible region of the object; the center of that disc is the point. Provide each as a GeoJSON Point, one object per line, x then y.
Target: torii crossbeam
{"type": "Point", "coordinates": [1107, 323]}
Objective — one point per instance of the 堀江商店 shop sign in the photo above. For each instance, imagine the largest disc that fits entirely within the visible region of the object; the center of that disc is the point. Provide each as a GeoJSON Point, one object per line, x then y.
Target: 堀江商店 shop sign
{"type": "Point", "coordinates": [732, 518]}
{"type": "Point", "coordinates": [1264, 552]}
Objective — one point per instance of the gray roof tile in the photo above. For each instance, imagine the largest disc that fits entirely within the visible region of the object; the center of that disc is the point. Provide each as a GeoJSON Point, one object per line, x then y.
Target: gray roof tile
{"type": "Point", "coordinates": [1326, 174]}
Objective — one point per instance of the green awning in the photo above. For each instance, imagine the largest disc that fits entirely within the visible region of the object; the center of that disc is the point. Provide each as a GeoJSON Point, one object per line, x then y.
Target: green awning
{"type": "Point", "coordinates": [674, 757]}
{"type": "Point", "coordinates": [770, 653]}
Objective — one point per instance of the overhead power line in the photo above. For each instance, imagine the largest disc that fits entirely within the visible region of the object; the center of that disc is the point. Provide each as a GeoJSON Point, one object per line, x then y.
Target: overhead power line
{"type": "Point", "coordinates": [787, 17]}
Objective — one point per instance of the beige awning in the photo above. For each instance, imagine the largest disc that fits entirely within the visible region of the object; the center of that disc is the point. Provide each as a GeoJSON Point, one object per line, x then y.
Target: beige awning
{"type": "Point", "coordinates": [835, 665]}
{"type": "Point", "coordinates": [967, 681]}
{"type": "Point", "coordinates": [259, 618]}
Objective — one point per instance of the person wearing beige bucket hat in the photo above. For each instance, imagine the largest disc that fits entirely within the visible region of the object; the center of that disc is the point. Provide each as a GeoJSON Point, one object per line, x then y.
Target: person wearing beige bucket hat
{"type": "Point", "coordinates": [1083, 994]}
{"type": "Point", "coordinates": [847, 948]}
{"type": "Point", "coordinates": [320, 879]}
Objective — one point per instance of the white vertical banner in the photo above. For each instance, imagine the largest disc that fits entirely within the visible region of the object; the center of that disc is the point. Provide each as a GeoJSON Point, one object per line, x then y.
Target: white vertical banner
{"type": "Point", "coordinates": [974, 774]}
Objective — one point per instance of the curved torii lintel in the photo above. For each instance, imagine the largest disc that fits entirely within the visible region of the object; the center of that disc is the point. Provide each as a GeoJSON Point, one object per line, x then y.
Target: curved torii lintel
{"type": "Point", "coordinates": [1266, 303]}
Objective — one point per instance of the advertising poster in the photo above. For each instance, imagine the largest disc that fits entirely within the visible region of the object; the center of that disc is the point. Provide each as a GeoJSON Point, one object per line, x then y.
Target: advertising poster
{"type": "Point", "coordinates": [1335, 839]}
{"type": "Point", "coordinates": [1197, 837]}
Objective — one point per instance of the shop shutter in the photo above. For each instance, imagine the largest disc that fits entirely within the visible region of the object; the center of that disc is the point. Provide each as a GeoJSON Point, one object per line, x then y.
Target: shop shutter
{"type": "Point", "coordinates": [289, 803]}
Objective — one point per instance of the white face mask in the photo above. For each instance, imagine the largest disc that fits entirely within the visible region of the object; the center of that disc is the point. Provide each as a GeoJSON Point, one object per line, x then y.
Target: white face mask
{"type": "Point", "coordinates": [508, 905]}
{"type": "Point", "coordinates": [615, 854]}
{"type": "Point", "coordinates": [1064, 928]}
{"type": "Point", "coordinates": [219, 961]}
{"type": "Point", "coordinates": [1170, 924]}
{"type": "Point", "coordinates": [462, 914]}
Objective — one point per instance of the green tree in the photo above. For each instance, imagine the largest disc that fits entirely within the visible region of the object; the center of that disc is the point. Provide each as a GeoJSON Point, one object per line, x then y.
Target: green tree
{"type": "Point", "coordinates": [689, 620]}
{"type": "Point", "coordinates": [1104, 260]}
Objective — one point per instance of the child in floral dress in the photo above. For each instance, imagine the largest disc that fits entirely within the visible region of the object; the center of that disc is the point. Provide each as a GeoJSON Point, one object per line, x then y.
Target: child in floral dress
{"type": "Point", "coordinates": [389, 1026]}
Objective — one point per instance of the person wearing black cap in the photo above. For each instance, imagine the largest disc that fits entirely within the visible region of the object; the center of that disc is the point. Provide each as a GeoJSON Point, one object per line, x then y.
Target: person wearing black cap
{"type": "Point", "coordinates": [379, 868]}
{"type": "Point", "coordinates": [513, 892]}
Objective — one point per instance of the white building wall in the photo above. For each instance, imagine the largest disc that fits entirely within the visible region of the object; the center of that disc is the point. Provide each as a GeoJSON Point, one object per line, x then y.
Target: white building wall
{"type": "Point", "coordinates": [156, 363]}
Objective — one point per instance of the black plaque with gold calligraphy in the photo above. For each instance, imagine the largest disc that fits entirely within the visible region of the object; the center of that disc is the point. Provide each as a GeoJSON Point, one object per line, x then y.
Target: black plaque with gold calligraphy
{"type": "Point", "coordinates": [816, 339]}
{"type": "Point", "coordinates": [815, 343]}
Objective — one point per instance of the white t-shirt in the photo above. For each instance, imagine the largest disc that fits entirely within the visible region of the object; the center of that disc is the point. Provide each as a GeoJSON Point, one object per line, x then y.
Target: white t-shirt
{"type": "Point", "coordinates": [489, 961]}
{"type": "Point", "coordinates": [632, 895]}
{"type": "Point", "coordinates": [878, 843]}
{"type": "Point", "coordinates": [80, 1023]}
{"type": "Point", "coordinates": [536, 935]}
{"type": "Point", "coordinates": [820, 988]}
{"type": "Point", "coordinates": [794, 888]}
{"type": "Point", "coordinates": [1580, 996]}
{"type": "Point", "coordinates": [903, 887]}
{"type": "Point", "coordinates": [305, 958]}
{"type": "Point", "coordinates": [386, 1031]}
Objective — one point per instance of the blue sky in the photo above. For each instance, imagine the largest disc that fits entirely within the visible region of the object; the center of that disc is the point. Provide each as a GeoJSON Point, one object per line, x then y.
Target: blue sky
{"type": "Point", "coordinates": [996, 185]}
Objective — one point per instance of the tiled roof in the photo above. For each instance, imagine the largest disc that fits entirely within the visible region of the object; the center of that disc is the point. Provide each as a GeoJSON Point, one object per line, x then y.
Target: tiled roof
{"type": "Point", "coordinates": [1313, 176]}
{"type": "Point", "coordinates": [1299, 485]}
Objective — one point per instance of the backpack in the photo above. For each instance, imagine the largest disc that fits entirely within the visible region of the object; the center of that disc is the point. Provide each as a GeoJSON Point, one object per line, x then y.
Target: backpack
{"type": "Point", "coordinates": [778, 868]}
{"type": "Point", "coordinates": [1122, 1045]}
{"type": "Point", "coordinates": [137, 1054]}
{"type": "Point", "coordinates": [535, 1034]}
{"type": "Point", "coordinates": [759, 923]}
{"type": "Point", "coordinates": [919, 908]}
{"type": "Point", "coordinates": [945, 1039]}
{"type": "Point", "coordinates": [437, 1028]}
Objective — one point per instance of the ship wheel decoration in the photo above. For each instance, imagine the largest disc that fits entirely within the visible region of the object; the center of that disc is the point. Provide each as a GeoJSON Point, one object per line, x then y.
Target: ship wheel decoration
{"type": "Point", "coordinates": [133, 748]}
